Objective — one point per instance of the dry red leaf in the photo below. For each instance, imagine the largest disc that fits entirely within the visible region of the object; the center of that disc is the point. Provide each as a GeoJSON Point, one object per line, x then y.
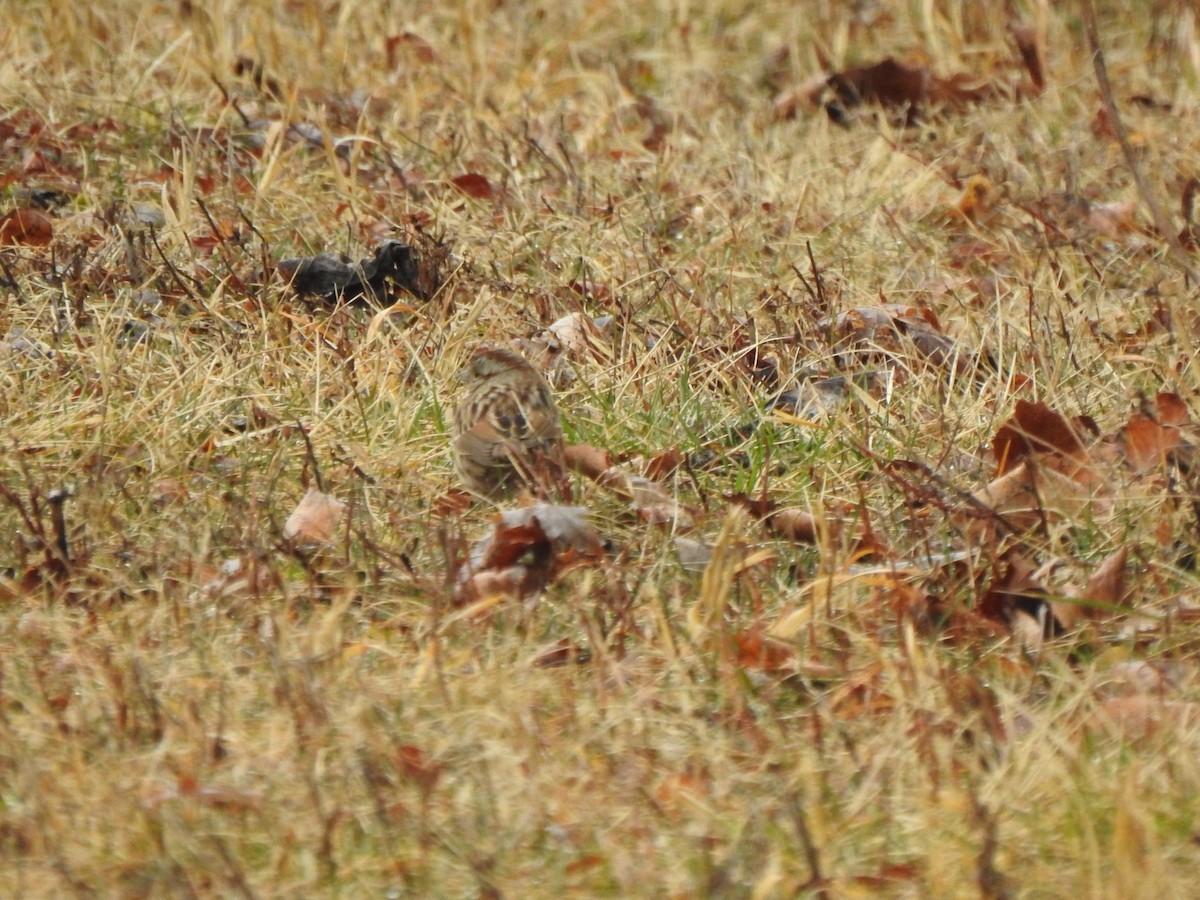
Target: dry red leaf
{"type": "Point", "coordinates": [899, 85]}
{"type": "Point", "coordinates": [414, 764]}
{"type": "Point", "coordinates": [234, 579]}
{"type": "Point", "coordinates": [866, 322]}
{"type": "Point", "coordinates": [876, 330]}
{"type": "Point", "coordinates": [514, 582]}
{"type": "Point", "coordinates": [1103, 127]}
{"type": "Point", "coordinates": [413, 45]}
{"type": "Point", "coordinates": [1171, 409]}
{"type": "Point", "coordinates": [225, 798]}
{"type": "Point", "coordinates": [474, 185]}
{"type": "Point", "coordinates": [1106, 586]}
{"type": "Point", "coordinates": [757, 650]}
{"type": "Point", "coordinates": [889, 875]}
{"type": "Point", "coordinates": [797, 525]}
{"type": "Point", "coordinates": [888, 82]}
{"type": "Point", "coordinates": [680, 790]}
{"type": "Point", "coordinates": [26, 226]}
{"type": "Point", "coordinates": [1145, 443]}
{"type": "Point", "coordinates": [664, 464]}
{"type": "Point", "coordinates": [1189, 237]}
{"type": "Point", "coordinates": [1151, 436]}
{"type": "Point", "coordinates": [454, 502]}
{"type": "Point", "coordinates": [1019, 381]}
{"type": "Point", "coordinates": [226, 231]}
{"type": "Point", "coordinates": [510, 543]}
{"type": "Point", "coordinates": [1034, 428]}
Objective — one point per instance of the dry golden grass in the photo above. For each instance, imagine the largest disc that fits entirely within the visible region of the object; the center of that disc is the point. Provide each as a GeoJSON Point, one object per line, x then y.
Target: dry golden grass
{"type": "Point", "coordinates": [190, 708]}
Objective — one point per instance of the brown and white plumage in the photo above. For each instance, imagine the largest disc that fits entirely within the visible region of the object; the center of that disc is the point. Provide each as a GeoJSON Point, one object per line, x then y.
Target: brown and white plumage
{"type": "Point", "coordinates": [506, 429]}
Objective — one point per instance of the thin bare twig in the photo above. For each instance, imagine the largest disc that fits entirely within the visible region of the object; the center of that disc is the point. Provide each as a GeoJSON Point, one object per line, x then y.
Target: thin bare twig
{"type": "Point", "coordinates": [312, 457]}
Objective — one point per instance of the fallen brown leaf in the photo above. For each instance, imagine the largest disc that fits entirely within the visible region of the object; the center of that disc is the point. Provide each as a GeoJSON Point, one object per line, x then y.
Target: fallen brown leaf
{"type": "Point", "coordinates": [234, 579]}
{"type": "Point", "coordinates": [414, 764]}
{"type": "Point", "coordinates": [1031, 491]}
{"type": "Point", "coordinates": [474, 185]}
{"type": "Point", "coordinates": [579, 335]}
{"type": "Point", "coordinates": [1112, 219]}
{"type": "Point", "coordinates": [314, 518]}
{"type": "Point", "coordinates": [587, 460]}
{"type": "Point", "coordinates": [909, 86]}
{"type": "Point", "coordinates": [412, 45]}
{"type": "Point", "coordinates": [664, 464]}
{"type": "Point", "coordinates": [797, 525]}
{"type": "Point", "coordinates": [1141, 716]}
{"type": "Point", "coordinates": [977, 201]}
{"type": "Point", "coordinates": [758, 650]}
{"type": "Point", "coordinates": [1015, 590]}
{"type": "Point", "coordinates": [584, 863]}
{"type": "Point", "coordinates": [651, 500]}
{"type": "Point", "coordinates": [1171, 409]}
{"type": "Point", "coordinates": [528, 549]}
{"type": "Point", "coordinates": [27, 226]}
{"type": "Point", "coordinates": [1035, 428]}
{"type": "Point", "coordinates": [1147, 444]}
{"type": "Point", "coordinates": [1103, 593]}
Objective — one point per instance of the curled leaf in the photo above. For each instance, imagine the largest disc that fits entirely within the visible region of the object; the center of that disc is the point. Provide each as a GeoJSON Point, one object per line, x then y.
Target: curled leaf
{"type": "Point", "coordinates": [528, 549]}
{"type": "Point", "coordinates": [314, 518]}
{"type": "Point", "coordinates": [581, 336]}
